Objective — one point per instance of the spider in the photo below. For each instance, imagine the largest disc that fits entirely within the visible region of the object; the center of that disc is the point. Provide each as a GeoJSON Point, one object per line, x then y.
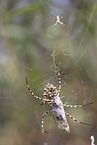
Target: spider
{"type": "Point", "coordinates": [58, 19]}
{"type": "Point", "coordinates": [51, 96]}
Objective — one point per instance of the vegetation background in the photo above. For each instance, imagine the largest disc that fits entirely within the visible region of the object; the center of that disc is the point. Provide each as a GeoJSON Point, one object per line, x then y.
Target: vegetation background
{"type": "Point", "coordinates": [28, 38]}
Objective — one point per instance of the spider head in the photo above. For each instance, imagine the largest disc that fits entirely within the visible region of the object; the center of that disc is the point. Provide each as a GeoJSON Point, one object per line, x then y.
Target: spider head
{"type": "Point", "coordinates": [50, 91]}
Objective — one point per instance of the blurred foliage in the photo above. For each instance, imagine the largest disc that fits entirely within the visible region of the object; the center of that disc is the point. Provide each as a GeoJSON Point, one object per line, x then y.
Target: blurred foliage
{"type": "Point", "coordinates": [28, 38]}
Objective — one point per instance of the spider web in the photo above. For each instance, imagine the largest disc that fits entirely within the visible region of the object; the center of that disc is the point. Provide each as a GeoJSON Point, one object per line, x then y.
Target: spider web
{"type": "Point", "coordinates": [14, 94]}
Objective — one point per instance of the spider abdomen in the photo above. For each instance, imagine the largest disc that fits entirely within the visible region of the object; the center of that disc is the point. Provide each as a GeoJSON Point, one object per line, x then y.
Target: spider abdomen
{"type": "Point", "coordinates": [59, 114]}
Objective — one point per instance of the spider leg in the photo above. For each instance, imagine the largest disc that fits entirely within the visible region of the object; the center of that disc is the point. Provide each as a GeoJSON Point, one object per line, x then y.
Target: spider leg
{"type": "Point", "coordinates": [59, 81]}
{"type": "Point", "coordinates": [76, 119]}
{"type": "Point", "coordinates": [55, 23]}
{"type": "Point", "coordinates": [77, 106]}
{"type": "Point", "coordinates": [42, 120]}
{"type": "Point", "coordinates": [43, 103]}
{"type": "Point", "coordinates": [53, 14]}
{"type": "Point", "coordinates": [46, 102]}
{"type": "Point", "coordinates": [63, 97]}
{"type": "Point", "coordinates": [33, 93]}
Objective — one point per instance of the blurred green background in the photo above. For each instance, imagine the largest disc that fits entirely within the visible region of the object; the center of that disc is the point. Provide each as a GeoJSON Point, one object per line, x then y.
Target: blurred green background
{"type": "Point", "coordinates": [28, 39]}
